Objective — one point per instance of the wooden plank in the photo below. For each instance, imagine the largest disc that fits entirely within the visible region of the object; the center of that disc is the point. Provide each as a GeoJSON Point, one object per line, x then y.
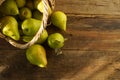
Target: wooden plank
{"type": "Point", "coordinates": [93, 34]}
{"type": "Point", "coordinates": [70, 65]}
{"type": "Point", "coordinates": [90, 8]}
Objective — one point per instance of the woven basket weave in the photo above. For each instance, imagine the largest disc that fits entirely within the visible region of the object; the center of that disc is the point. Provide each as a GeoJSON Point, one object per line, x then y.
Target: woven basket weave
{"type": "Point", "coordinates": [46, 3]}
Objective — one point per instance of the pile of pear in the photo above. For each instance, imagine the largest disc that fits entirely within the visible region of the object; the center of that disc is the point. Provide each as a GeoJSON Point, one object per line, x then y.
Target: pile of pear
{"type": "Point", "coordinates": [20, 20]}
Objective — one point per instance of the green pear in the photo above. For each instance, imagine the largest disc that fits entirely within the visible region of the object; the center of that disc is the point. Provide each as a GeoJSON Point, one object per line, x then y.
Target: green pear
{"type": "Point", "coordinates": [49, 10]}
{"type": "Point", "coordinates": [36, 55]}
{"type": "Point", "coordinates": [9, 7]}
{"type": "Point", "coordinates": [25, 13]}
{"type": "Point", "coordinates": [59, 19]}
{"type": "Point", "coordinates": [38, 4]}
{"type": "Point", "coordinates": [20, 3]}
{"type": "Point", "coordinates": [30, 26]}
{"type": "Point", "coordinates": [27, 38]}
{"type": "Point", "coordinates": [40, 40]}
{"type": "Point", "coordinates": [55, 40]}
{"type": "Point", "coordinates": [37, 15]}
{"type": "Point", "coordinates": [9, 27]}
{"type": "Point", "coordinates": [43, 37]}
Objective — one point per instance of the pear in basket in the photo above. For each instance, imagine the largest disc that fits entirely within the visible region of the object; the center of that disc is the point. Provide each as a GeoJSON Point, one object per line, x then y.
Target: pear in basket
{"type": "Point", "coordinates": [30, 26]}
{"type": "Point", "coordinates": [20, 3]}
{"type": "Point", "coordinates": [9, 27]}
{"type": "Point", "coordinates": [41, 39]}
{"type": "Point", "coordinates": [9, 7]}
{"type": "Point", "coordinates": [38, 4]}
{"type": "Point", "coordinates": [25, 13]}
{"type": "Point", "coordinates": [37, 15]}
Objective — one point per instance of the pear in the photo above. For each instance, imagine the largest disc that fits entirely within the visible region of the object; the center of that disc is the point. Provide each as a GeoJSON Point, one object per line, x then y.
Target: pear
{"type": "Point", "coordinates": [49, 10]}
{"type": "Point", "coordinates": [27, 38]}
{"type": "Point", "coordinates": [55, 40]}
{"type": "Point", "coordinates": [25, 13]}
{"type": "Point", "coordinates": [36, 55]}
{"type": "Point", "coordinates": [38, 4]}
{"type": "Point", "coordinates": [40, 40]}
{"type": "Point", "coordinates": [30, 26]}
{"type": "Point", "coordinates": [37, 15]}
{"type": "Point", "coordinates": [43, 37]}
{"type": "Point", "coordinates": [9, 7]}
{"type": "Point", "coordinates": [59, 20]}
{"type": "Point", "coordinates": [20, 3]}
{"type": "Point", "coordinates": [9, 27]}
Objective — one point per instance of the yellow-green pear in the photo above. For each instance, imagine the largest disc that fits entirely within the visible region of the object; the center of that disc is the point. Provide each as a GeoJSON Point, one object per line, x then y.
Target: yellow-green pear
{"type": "Point", "coordinates": [36, 55]}
{"type": "Point", "coordinates": [43, 37]}
{"type": "Point", "coordinates": [38, 4]}
{"type": "Point", "coordinates": [55, 40]}
{"type": "Point", "coordinates": [27, 38]}
{"type": "Point", "coordinates": [20, 3]}
{"type": "Point", "coordinates": [30, 26]}
{"type": "Point", "coordinates": [40, 40]}
{"type": "Point", "coordinates": [25, 13]}
{"type": "Point", "coordinates": [9, 7]}
{"type": "Point", "coordinates": [9, 27]}
{"type": "Point", "coordinates": [37, 15]}
{"type": "Point", "coordinates": [49, 10]}
{"type": "Point", "coordinates": [59, 19]}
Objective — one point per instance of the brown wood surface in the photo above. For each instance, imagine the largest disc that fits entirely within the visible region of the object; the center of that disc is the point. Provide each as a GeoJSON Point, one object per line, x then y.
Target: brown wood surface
{"type": "Point", "coordinates": [91, 52]}
{"type": "Point", "coordinates": [90, 8]}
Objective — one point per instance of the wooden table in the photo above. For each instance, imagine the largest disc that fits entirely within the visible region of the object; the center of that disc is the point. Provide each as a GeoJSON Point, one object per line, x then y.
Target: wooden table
{"type": "Point", "coordinates": [92, 51]}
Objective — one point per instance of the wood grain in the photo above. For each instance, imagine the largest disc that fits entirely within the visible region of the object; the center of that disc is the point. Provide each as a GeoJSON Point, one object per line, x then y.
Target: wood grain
{"type": "Point", "coordinates": [92, 46]}
{"type": "Point", "coordinates": [91, 51]}
{"type": "Point", "coordinates": [90, 8]}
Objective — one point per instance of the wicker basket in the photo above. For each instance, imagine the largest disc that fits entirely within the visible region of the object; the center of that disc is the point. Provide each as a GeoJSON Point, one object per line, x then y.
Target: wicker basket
{"type": "Point", "coordinates": [46, 3]}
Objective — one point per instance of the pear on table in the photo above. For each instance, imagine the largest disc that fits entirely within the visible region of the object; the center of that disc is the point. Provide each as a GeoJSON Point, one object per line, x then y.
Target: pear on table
{"type": "Point", "coordinates": [59, 19]}
{"type": "Point", "coordinates": [36, 55]}
{"type": "Point", "coordinates": [55, 40]}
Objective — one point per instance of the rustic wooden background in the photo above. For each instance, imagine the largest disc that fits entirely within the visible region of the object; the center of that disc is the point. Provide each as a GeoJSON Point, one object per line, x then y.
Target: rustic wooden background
{"type": "Point", "coordinates": [92, 51]}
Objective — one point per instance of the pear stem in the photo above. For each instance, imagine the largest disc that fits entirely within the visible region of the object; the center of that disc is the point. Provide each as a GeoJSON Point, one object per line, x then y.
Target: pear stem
{"type": "Point", "coordinates": [58, 51]}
